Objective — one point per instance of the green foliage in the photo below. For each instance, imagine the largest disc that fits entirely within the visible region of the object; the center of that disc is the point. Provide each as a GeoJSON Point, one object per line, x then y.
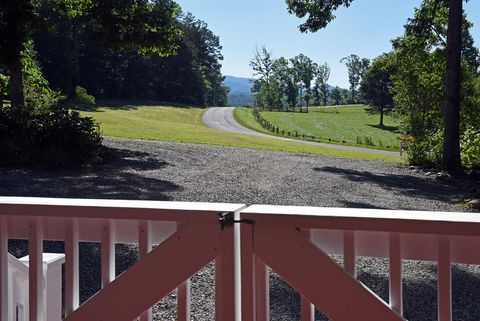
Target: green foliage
{"type": "Point", "coordinates": [51, 138]}
{"type": "Point", "coordinates": [470, 144]}
{"type": "Point", "coordinates": [82, 97]}
{"type": "Point", "coordinates": [356, 70]}
{"type": "Point", "coordinates": [36, 88]}
{"type": "Point", "coordinates": [427, 151]}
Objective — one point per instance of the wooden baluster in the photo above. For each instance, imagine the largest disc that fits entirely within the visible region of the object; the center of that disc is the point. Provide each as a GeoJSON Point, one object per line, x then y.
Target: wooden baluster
{"type": "Point", "coordinates": [444, 280]}
{"type": "Point", "coordinates": [71, 266]}
{"type": "Point", "coordinates": [108, 252]}
{"type": "Point", "coordinates": [35, 265]}
{"type": "Point", "coordinates": [396, 290]}
{"type": "Point", "coordinates": [3, 269]}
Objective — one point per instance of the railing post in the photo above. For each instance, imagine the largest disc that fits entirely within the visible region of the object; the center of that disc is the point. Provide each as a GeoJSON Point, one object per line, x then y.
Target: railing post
{"type": "Point", "coordinates": [71, 266]}
{"type": "Point", "coordinates": [183, 301]}
{"type": "Point", "coordinates": [396, 291]}
{"type": "Point", "coordinates": [35, 272]}
{"type": "Point", "coordinates": [262, 291]}
{"type": "Point", "coordinates": [108, 252]}
{"type": "Point", "coordinates": [307, 309]}
{"type": "Point", "coordinates": [144, 247]}
{"type": "Point", "coordinates": [444, 280]}
{"type": "Point", "coordinates": [3, 269]}
{"type": "Point", "coordinates": [349, 253]}
{"type": "Point", "coordinates": [225, 277]}
{"type": "Point", "coordinates": [247, 273]}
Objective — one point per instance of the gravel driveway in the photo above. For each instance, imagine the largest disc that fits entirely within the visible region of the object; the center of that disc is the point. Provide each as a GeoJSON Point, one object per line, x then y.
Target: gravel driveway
{"type": "Point", "coordinates": [188, 172]}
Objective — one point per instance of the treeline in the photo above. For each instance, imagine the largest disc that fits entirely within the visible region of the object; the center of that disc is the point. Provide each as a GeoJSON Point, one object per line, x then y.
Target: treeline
{"type": "Point", "coordinates": [191, 76]}
{"type": "Point", "coordinates": [292, 84]}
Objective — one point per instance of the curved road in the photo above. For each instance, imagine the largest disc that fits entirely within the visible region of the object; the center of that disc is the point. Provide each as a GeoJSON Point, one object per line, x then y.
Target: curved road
{"type": "Point", "coordinates": [222, 118]}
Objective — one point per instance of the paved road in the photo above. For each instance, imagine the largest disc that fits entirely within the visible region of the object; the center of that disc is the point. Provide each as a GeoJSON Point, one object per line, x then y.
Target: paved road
{"type": "Point", "coordinates": [222, 118]}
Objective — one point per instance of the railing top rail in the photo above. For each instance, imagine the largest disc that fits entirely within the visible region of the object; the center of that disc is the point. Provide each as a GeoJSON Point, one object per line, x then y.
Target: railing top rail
{"type": "Point", "coordinates": [401, 221]}
{"type": "Point", "coordinates": [115, 209]}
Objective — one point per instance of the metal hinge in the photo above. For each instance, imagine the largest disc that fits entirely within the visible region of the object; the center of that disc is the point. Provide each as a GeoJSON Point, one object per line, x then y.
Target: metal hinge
{"type": "Point", "coordinates": [227, 219]}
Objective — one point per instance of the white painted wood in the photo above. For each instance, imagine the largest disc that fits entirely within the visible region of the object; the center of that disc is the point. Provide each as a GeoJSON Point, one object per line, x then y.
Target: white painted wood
{"type": "Point", "coordinates": [444, 280]}
{"type": "Point", "coordinates": [71, 266]}
{"type": "Point", "coordinates": [262, 291]}
{"type": "Point", "coordinates": [4, 280]}
{"type": "Point", "coordinates": [144, 247]}
{"type": "Point", "coordinates": [395, 279]}
{"type": "Point", "coordinates": [108, 252]}
{"type": "Point", "coordinates": [349, 253]}
{"type": "Point", "coordinates": [183, 301]}
{"type": "Point", "coordinates": [37, 308]}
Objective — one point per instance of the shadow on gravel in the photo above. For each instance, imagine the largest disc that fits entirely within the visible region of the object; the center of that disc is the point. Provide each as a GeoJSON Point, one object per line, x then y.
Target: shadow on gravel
{"type": "Point", "coordinates": [124, 177]}
{"type": "Point", "coordinates": [405, 184]}
{"type": "Point", "coordinates": [360, 205]}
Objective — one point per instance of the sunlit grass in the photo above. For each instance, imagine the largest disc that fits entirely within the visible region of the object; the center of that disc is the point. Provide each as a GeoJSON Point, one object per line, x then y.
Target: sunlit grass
{"type": "Point", "coordinates": [184, 124]}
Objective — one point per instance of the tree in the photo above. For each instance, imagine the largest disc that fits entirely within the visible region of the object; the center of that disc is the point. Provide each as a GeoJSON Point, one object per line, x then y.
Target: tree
{"type": "Point", "coordinates": [142, 25]}
{"type": "Point", "coordinates": [305, 69]}
{"type": "Point", "coordinates": [320, 13]}
{"type": "Point", "coordinates": [323, 74]}
{"type": "Point", "coordinates": [287, 81]}
{"type": "Point", "coordinates": [262, 65]}
{"type": "Point", "coordinates": [336, 95]}
{"type": "Point", "coordinates": [356, 69]}
{"type": "Point", "coordinates": [376, 85]}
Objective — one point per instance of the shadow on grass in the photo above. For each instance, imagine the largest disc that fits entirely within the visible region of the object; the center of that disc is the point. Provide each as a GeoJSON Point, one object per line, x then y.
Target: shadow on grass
{"type": "Point", "coordinates": [392, 129]}
{"type": "Point", "coordinates": [408, 185]}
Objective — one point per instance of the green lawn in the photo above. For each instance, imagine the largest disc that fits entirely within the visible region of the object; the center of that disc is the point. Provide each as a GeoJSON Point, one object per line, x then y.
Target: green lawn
{"type": "Point", "coordinates": [183, 124]}
{"type": "Point", "coordinates": [347, 125]}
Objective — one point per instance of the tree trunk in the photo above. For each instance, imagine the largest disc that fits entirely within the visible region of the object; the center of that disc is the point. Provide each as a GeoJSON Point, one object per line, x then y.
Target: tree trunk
{"type": "Point", "coordinates": [451, 107]}
{"type": "Point", "coordinates": [16, 82]}
{"type": "Point", "coordinates": [381, 115]}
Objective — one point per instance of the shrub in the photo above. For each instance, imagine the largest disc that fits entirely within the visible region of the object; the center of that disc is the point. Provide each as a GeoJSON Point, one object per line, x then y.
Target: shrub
{"type": "Point", "coordinates": [426, 152]}
{"type": "Point", "coordinates": [470, 143]}
{"type": "Point", "coordinates": [83, 98]}
{"type": "Point", "coordinates": [56, 137]}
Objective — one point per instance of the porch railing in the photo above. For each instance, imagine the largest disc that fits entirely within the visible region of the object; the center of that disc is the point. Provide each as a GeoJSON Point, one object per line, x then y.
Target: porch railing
{"type": "Point", "coordinates": [242, 240]}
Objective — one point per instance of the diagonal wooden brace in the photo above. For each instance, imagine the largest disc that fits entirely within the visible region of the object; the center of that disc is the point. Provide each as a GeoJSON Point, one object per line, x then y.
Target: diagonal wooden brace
{"type": "Point", "coordinates": [311, 271]}
{"type": "Point", "coordinates": [154, 276]}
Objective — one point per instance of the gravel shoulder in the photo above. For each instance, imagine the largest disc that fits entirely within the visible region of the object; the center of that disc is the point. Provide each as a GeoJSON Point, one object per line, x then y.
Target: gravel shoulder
{"type": "Point", "coordinates": [189, 172]}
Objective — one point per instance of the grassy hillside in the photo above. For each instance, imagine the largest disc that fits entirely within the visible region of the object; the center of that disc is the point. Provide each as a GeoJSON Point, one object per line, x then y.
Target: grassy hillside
{"type": "Point", "coordinates": [178, 124]}
{"type": "Point", "coordinates": [348, 125]}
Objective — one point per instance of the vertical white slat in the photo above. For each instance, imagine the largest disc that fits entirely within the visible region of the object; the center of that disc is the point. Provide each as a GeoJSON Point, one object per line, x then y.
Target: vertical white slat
{"type": "Point", "coordinates": [262, 291]}
{"type": "Point", "coordinates": [307, 309]}
{"type": "Point", "coordinates": [349, 253]}
{"type": "Point", "coordinates": [144, 247]}
{"type": "Point", "coordinates": [108, 252]}
{"type": "Point", "coordinates": [3, 269]}
{"type": "Point", "coordinates": [396, 289]}
{"type": "Point", "coordinates": [35, 266]}
{"type": "Point", "coordinates": [71, 266]}
{"type": "Point", "coordinates": [183, 301]}
{"type": "Point", "coordinates": [444, 280]}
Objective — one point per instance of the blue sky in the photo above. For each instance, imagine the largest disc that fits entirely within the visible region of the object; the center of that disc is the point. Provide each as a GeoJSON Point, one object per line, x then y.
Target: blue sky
{"type": "Point", "coordinates": [365, 28]}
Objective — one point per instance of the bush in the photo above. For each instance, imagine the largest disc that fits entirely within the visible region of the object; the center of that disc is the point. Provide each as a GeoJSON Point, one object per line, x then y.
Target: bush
{"type": "Point", "coordinates": [51, 138]}
{"type": "Point", "coordinates": [470, 143]}
{"type": "Point", "coordinates": [83, 98]}
{"type": "Point", "coordinates": [426, 152]}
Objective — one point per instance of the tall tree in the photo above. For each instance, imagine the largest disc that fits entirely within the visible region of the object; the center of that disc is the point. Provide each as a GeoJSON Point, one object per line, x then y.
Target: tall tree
{"type": "Point", "coordinates": [142, 25]}
{"type": "Point", "coordinates": [356, 67]}
{"type": "Point", "coordinates": [376, 85]}
{"type": "Point", "coordinates": [320, 13]}
{"type": "Point", "coordinates": [336, 95]}
{"type": "Point", "coordinates": [287, 81]}
{"type": "Point", "coordinates": [262, 65]}
{"type": "Point", "coordinates": [323, 74]}
{"type": "Point", "coordinates": [305, 69]}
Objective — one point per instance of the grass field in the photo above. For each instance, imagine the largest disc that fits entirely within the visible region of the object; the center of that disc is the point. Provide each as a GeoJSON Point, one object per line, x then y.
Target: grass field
{"type": "Point", "coordinates": [347, 125]}
{"type": "Point", "coordinates": [177, 124]}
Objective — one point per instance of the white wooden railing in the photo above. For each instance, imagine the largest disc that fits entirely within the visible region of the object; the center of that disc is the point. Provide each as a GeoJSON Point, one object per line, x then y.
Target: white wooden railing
{"type": "Point", "coordinates": [242, 240]}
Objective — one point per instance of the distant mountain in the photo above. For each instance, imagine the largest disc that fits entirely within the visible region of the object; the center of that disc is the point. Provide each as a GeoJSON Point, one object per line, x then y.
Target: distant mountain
{"type": "Point", "coordinates": [240, 91]}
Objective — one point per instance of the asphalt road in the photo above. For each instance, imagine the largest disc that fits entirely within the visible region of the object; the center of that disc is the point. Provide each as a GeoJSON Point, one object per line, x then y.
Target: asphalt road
{"type": "Point", "coordinates": [222, 118]}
